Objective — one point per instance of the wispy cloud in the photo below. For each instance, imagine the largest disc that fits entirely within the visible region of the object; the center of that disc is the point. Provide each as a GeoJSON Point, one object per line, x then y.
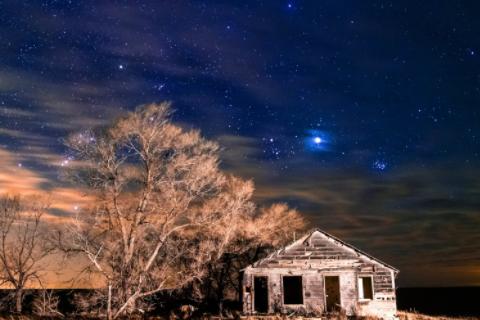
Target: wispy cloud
{"type": "Point", "coordinates": [15, 176]}
{"type": "Point", "coordinates": [397, 216]}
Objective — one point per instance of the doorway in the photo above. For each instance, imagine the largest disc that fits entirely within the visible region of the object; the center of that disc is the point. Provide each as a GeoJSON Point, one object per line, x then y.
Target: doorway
{"type": "Point", "coordinates": [332, 293]}
{"type": "Point", "coordinates": [260, 293]}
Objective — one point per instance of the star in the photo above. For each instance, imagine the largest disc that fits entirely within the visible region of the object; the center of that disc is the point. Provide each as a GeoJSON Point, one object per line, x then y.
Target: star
{"type": "Point", "coordinates": [120, 66]}
{"type": "Point", "coordinates": [318, 140]}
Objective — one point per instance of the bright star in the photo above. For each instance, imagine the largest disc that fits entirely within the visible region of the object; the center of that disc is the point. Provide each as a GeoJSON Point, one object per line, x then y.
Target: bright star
{"type": "Point", "coordinates": [317, 140]}
{"type": "Point", "coordinates": [121, 67]}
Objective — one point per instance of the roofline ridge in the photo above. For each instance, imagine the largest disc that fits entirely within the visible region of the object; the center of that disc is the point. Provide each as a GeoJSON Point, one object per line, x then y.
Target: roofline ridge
{"type": "Point", "coordinates": [307, 236]}
{"type": "Point", "coordinates": [355, 249]}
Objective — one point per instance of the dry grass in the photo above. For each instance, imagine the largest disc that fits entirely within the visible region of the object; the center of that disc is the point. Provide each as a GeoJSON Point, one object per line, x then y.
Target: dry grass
{"type": "Point", "coordinates": [72, 317]}
{"type": "Point", "coordinates": [403, 315]}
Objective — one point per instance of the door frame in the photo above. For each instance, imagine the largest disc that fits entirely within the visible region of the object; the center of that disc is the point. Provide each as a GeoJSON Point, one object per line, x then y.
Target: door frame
{"type": "Point", "coordinates": [253, 291]}
{"type": "Point", "coordinates": [339, 288]}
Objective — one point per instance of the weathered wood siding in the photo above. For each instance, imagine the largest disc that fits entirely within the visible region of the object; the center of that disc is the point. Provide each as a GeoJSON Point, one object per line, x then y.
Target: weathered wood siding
{"type": "Point", "coordinates": [314, 292]}
{"type": "Point", "coordinates": [313, 259]}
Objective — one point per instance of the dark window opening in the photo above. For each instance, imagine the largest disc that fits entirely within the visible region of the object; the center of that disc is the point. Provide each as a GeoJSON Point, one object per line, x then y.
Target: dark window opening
{"type": "Point", "coordinates": [292, 290]}
{"type": "Point", "coordinates": [365, 288]}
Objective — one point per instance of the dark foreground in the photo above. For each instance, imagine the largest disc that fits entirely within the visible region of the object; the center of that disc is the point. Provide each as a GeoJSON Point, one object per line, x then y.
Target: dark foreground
{"type": "Point", "coordinates": [402, 315]}
{"type": "Point", "coordinates": [457, 302]}
{"type": "Point", "coordinates": [453, 302]}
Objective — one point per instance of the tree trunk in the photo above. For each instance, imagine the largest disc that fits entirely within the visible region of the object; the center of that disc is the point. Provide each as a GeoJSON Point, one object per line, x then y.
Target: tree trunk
{"type": "Point", "coordinates": [18, 300]}
{"type": "Point", "coordinates": [220, 285]}
{"type": "Point", "coordinates": [131, 307]}
{"type": "Point", "coordinates": [128, 307]}
{"type": "Point", "coordinates": [109, 304]}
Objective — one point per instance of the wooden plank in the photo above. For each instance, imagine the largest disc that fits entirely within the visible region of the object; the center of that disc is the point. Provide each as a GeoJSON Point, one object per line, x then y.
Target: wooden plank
{"type": "Point", "coordinates": [315, 291]}
{"type": "Point", "coordinates": [325, 261]}
{"type": "Point", "coordinates": [381, 287]}
{"type": "Point", "coordinates": [330, 256]}
{"type": "Point", "coordinates": [319, 250]}
{"type": "Point", "coordinates": [312, 265]}
{"type": "Point", "coordinates": [308, 249]}
{"type": "Point", "coordinates": [310, 257]}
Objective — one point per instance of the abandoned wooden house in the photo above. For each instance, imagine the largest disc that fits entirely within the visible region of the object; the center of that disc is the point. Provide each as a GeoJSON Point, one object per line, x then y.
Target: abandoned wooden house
{"type": "Point", "coordinates": [320, 273]}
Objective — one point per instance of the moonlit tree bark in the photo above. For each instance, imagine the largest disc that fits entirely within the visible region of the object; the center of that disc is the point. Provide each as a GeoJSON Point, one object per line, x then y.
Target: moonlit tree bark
{"type": "Point", "coordinates": [163, 209]}
{"type": "Point", "coordinates": [24, 245]}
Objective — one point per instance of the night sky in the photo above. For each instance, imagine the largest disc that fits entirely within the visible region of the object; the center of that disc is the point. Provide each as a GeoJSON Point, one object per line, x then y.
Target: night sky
{"type": "Point", "coordinates": [364, 115]}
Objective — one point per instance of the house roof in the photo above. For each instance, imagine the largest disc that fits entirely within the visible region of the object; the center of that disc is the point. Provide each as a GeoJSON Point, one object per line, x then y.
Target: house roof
{"type": "Point", "coordinates": [335, 239]}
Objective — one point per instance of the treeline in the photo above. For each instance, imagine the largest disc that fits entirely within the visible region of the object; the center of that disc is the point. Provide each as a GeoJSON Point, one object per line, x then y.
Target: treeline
{"type": "Point", "coordinates": [164, 220]}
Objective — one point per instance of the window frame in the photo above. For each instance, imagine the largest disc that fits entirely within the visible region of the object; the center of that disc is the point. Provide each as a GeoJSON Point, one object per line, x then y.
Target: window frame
{"type": "Point", "coordinates": [363, 293]}
{"type": "Point", "coordinates": [283, 290]}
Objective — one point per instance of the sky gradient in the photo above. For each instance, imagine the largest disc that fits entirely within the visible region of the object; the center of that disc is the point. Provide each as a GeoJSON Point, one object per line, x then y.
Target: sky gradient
{"type": "Point", "coordinates": [363, 115]}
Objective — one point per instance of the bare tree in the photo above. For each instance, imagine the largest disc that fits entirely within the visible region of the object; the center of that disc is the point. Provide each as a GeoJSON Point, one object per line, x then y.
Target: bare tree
{"type": "Point", "coordinates": [254, 235]}
{"type": "Point", "coordinates": [159, 193]}
{"type": "Point", "coordinates": [24, 246]}
{"type": "Point", "coordinates": [45, 303]}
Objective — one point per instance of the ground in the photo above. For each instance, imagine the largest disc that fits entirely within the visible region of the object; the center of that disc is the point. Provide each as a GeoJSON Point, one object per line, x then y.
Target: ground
{"type": "Point", "coordinates": [402, 315]}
